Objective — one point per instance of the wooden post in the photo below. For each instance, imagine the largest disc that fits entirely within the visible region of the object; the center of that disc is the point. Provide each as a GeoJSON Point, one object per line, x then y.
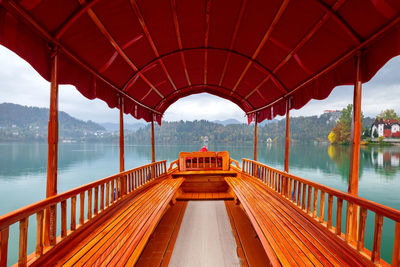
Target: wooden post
{"type": "Point", "coordinates": [255, 138]}
{"type": "Point", "coordinates": [287, 141]}
{"type": "Point", "coordinates": [355, 143]}
{"type": "Point", "coordinates": [121, 136]}
{"type": "Point", "coordinates": [121, 142]}
{"type": "Point", "coordinates": [51, 188]}
{"type": "Point", "coordinates": [153, 154]}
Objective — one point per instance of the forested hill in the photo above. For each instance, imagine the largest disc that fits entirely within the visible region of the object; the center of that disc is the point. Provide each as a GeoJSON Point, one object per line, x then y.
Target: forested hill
{"type": "Point", "coordinates": [302, 129]}
{"type": "Point", "coordinates": [26, 123]}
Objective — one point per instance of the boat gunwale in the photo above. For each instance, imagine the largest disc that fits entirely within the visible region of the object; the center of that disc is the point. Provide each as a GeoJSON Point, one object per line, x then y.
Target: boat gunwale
{"type": "Point", "coordinates": [14, 216]}
{"type": "Point", "coordinates": [386, 211]}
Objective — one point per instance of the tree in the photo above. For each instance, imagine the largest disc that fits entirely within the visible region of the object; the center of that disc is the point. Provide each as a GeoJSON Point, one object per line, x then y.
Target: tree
{"type": "Point", "coordinates": [332, 137]}
{"type": "Point", "coordinates": [388, 114]}
{"type": "Point", "coordinates": [342, 129]}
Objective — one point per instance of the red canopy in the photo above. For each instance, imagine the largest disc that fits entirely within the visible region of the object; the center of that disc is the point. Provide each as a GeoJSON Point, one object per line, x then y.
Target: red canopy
{"type": "Point", "coordinates": [255, 53]}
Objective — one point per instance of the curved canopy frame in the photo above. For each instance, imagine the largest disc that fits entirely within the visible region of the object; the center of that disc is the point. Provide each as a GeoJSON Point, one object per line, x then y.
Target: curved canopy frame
{"type": "Point", "coordinates": [254, 53]}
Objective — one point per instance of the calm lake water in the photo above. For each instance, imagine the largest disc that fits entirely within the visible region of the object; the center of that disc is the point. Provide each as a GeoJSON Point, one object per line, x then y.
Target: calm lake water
{"type": "Point", "coordinates": [23, 173]}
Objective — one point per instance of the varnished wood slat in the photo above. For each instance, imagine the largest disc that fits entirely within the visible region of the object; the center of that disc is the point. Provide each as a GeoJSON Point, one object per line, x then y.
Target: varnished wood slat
{"type": "Point", "coordinates": [314, 208]}
{"type": "Point", "coordinates": [376, 248]}
{"type": "Point", "coordinates": [102, 197]}
{"type": "Point", "coordinates": [89, 212]}
{"type": "Point", "coordinates": [63, 219]}
{"type": "Point", "coordinates": [361, 230]}
{"type": "Point", "coordinates": [73, 213]}
{"type": "Point", "coordinates": [270, 214]}
{"type": "Point", "coordinates": [396, 246]}
{"type": "Point", "coordinates": [330, 206]}
{"type": "Point", "coordinates": [322, 207]}
{"type": "Point", "coordinates": [23, 241]}
{"type": "Point", "coordinates": [124, 250]}
{"type": "Point", "coordinates": [39, 233]}
{"type": "Point", "coordinates": [96, 200]}
{"type": "Point", "coordinates": [339, 216]}
{"type": "Point", "coordinates": [82, 208]}
{"type": "Point", "coordinates": [4, 246]}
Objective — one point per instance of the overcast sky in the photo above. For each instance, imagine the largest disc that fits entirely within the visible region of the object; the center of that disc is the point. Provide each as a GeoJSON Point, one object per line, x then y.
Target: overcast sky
{"type": "Point", "coordinates": [21, 84]}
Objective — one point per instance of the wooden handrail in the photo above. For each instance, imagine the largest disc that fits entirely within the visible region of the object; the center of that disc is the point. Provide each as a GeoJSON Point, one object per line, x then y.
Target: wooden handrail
{"type": "Point", "coordinates": [172, 164]}
{"type": "Point", "coordinates": [304, 194]}
{"type": "Point", "coordinates": [234, 161]}
{"type": "Point", "coordinates": [122, 184]}
{"type": "Point", "coordinates": [373, 206]}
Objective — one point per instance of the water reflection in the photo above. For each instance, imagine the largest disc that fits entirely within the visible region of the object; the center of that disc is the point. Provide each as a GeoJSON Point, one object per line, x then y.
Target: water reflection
{"type": "Point", "coordinates": [20, 159]}
{"type": "Point", "coordinates": [385, 161]}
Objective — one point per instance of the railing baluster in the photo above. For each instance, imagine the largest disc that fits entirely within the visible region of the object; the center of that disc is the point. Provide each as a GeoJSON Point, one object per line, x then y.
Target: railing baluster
{"type": "Point", "coordinates": [293, 191]}
{"type": "Point", "coordinates": [23, 241]}
{"type": "Point", "coordinates": [361, 230]}
{"type": "Point", "coordinates": [396, 246]}
{"type": "Point", "coordinates": [89, 212]}
{"type": "Point", "coordinates": [112, 192]}
{"type": "Point", "coordinates": [102, 197]}
{"type": "Point", "coordinates": [322, 207]}
{"type": "Point", "coordinates": [299, 194]}
{"type": "Point", "coordinates": [314, 213]}
{"type": "Point", "coordinates": [82, 208]}
{"type": "Point", "coordinates": [376, 248]}
{"type": "Point", "coordinates": [330, 205]}
{"type": "Point", "coordinates": [107, 193]}
{"type": "Point", "coordinates": [39, 233]}
{"type": "Point", "coordinates": [309, 199]}
{"type": "Point", "coordinates": [73, 213]}
{"type": "Point", "coordinates": [349, 220]}
{"type": "Point", "coordinates": [96, 200]}
{"type": "Point", "coordinates": [339, 216]}
{"type": "Point", "coordinates": [53, 224]}
{"type": "Point", "coordinates": [63, 219]}
{"type": "Point", "coordinates": [4, 246]}
{"type": "Point", "coordinates": [303, 203]}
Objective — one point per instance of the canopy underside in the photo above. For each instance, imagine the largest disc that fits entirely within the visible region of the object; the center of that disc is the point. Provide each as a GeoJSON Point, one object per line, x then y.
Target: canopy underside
{"type": "Point", "coordinates": [254, 53]}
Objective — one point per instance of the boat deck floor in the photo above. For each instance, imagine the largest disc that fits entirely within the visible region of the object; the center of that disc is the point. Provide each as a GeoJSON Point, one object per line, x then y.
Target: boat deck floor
{"type": "Point", "coordinates": [204, 233]}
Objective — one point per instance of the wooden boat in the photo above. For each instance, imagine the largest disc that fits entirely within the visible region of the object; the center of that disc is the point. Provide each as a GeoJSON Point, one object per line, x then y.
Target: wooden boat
{"type": "Point", "coordinates": [268, 57]}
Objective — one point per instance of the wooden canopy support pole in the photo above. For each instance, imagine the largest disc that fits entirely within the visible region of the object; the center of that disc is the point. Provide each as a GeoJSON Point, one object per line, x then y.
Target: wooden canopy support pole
{"type": "Point", "coordinates": [355, 143]}
{"type": "Point", "coordinates": [121, 136]}
{"type": "Point", "coordinates": [121, 144]}
{"type": "Point", "coordinates": [255, 138]}
{"type": "Point", "coordinates": [153, 154]}
{"type": "Point", "coordinates": [287, 140]}
{"type": "Point", "coordinates": [52, 155]}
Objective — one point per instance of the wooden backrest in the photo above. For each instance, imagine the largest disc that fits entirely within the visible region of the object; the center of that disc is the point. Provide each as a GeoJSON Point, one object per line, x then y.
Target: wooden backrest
{"type": "Point", "coordinates": [211, 160]}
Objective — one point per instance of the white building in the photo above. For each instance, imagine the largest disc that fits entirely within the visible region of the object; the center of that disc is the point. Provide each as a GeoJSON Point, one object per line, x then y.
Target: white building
{"type": "Point", "coordinates": [385, 128]}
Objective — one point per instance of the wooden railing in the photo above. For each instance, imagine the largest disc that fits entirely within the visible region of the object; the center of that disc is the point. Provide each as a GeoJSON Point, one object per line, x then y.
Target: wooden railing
{"type": "Point", "coordinates": [310, 198]}
{"type": "Point", "coordinates": [195, 161]}
{"type": "Point", "coordinates": [107, 192]}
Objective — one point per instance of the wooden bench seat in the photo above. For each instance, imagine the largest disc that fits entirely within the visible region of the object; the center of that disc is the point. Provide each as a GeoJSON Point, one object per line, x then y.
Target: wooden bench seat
{"type": "Point", "coordinates": [121, 239]}
{"type": "Point", "coordinates": [288, 235]}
